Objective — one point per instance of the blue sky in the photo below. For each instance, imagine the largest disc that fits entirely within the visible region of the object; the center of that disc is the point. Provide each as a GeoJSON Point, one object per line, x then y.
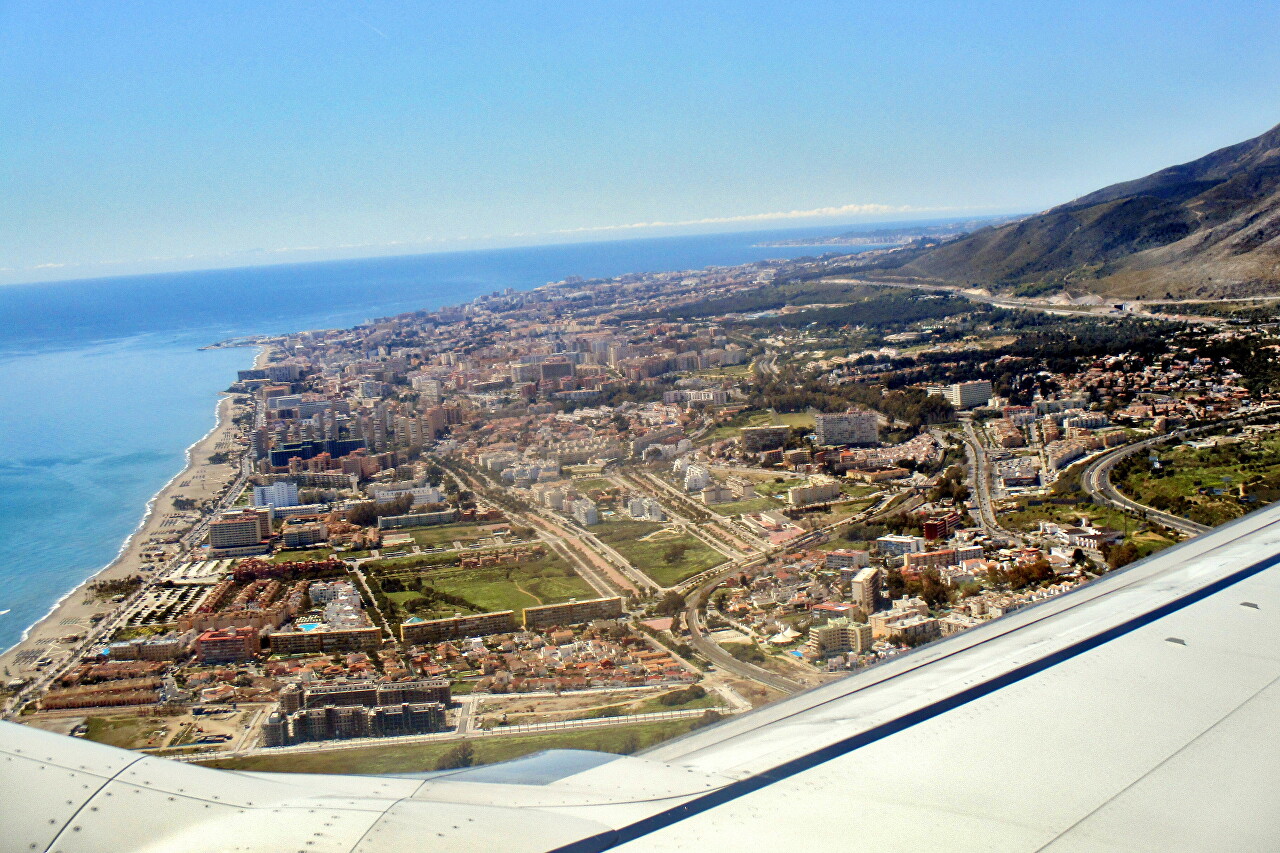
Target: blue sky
{"type": "Point", "coordinates": [138, 136]}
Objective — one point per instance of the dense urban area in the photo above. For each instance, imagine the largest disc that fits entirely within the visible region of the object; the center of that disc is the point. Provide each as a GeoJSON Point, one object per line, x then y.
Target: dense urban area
{"type": "Point", "coordinates": [604, 513]}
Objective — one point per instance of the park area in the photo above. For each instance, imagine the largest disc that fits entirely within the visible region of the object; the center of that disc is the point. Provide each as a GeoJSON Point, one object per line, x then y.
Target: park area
{"type": "Point", "coordinates": [733, 427]}
{"type": "Point", "coordinates": [447, 535]}
{"type": "Point", "coordinates": [664, 553]}
{"type": "Point", "coordinates": [437, 586]}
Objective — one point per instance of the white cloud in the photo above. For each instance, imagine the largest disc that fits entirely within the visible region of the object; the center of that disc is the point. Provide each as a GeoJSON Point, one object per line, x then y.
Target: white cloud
{"type": "Point", "coordinates": [814, 213]}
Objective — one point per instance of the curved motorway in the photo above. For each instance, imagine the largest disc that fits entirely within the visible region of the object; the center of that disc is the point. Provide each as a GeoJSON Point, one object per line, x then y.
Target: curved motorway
{"type": "Point", "coordinates": [712, 651]}
{"type": "Point", "coordinates": [1096, 480]}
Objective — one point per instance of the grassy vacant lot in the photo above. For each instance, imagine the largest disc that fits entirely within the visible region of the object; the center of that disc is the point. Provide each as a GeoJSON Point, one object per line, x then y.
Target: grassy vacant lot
{"type": "Point", "coordinates": [511, 586]}
{"type": "Point", "coordinates": [1188, 477]}
{"type": "Point", "coordinates": [733, 428]}
{"type": "Point", "coordinates": [590, 483]}
{"type": "Point", "coordinates": [302, 555]}
{"type": "Point", "coordinates": [517, 709]}
{"type": "Point", "coordinates": [445, 535]}
{"type": "Point", "coordinates": [749, 505]}
{"type": "Point", "coordinates": [665, 555]}
{"type": "Point", "coordinates": [773, 488]}
{"type": "Point", "coordinates": [416, 757]}
{"type": "Point", "coordinates": [796, 419]}
{"type": "Point", "coordinates": [127, 732]}
{"type": "Point", "coordinates": [1026, 513]}
{"type": "Point", "coordinates": [840, 512]}
{"type": "Point", "coordinates": [1026, 517]}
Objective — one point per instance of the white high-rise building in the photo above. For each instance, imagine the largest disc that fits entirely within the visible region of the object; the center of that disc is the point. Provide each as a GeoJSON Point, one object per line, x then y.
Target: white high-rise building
{"type": "Point", "coordinates": [856, 426]}
{"type": "Point", "coordinates": [964, 395]}
{"type": "Point", "coordinates": [696, 478]}
{"type": "Point", "coordinates": [278, 494]}
{"type": "Point", "coordinates": [585, 512]}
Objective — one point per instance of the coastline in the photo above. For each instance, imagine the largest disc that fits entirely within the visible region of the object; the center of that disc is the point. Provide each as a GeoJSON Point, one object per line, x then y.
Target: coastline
{"type": "Point", "coordinates": [70, 619]}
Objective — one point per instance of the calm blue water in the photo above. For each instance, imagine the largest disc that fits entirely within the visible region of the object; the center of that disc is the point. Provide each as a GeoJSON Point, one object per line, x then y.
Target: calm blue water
{"type": "Point", "coordinates": [103, 386]}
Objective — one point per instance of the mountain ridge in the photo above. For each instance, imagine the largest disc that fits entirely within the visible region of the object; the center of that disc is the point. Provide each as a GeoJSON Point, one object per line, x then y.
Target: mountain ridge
{"type": "Point", "coordinates": [1208, 227]}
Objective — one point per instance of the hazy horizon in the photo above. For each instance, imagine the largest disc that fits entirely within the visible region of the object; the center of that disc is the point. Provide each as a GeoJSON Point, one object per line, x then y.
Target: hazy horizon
{"type": "Point", "coordinates": [251, 259]}
{"type": "Point", "coordinates": [156, 134]}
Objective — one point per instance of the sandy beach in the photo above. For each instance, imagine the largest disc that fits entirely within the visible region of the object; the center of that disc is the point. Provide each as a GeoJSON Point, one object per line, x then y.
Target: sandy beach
{"type": "Point", "coordinates": [63, 632]}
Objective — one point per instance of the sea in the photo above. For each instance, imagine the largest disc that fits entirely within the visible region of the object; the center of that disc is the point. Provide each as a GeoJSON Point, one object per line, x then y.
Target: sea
{"type": "Point", "coordinates": [104, 385]}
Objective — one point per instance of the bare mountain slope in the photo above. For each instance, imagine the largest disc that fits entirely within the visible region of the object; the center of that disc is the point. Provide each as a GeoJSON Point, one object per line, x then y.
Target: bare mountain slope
{"type": "Point", "coordinates": [1208, 227]}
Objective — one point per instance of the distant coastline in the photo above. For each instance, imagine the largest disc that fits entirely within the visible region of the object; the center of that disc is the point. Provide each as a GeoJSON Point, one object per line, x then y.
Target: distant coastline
{"type": "Point", "coordinates": [896, 236]}
{"type": "Point", "coordinates": [230, 309]}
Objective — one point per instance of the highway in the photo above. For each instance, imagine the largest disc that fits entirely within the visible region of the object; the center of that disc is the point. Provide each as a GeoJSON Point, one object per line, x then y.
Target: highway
{"type": "Point", "coordinates": [980, 475]}
{"type": "Point", "coordinates": [711, 650]}
{"type": "Point", "coordinates": [1096, 480]}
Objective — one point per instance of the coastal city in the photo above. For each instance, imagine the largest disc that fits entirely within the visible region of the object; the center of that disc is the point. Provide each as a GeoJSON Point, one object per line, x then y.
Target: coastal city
{"type": "Point", "coordinates": [605, 513]}
{"type": "Point", "coordinates": [639, 427]}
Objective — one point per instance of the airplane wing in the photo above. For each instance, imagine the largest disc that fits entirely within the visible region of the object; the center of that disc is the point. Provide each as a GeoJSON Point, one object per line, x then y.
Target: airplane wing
{"type": "Point", "coordinates": [1135, 713]}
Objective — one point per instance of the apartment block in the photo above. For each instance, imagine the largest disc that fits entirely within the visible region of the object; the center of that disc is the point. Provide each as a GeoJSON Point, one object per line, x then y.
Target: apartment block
{"type": "Point", "coordinates": [319, 640]}
{"type": "Point", "coordinates": [228, 645]}
{"type": "Point", "coordinates": [572, 612]}
{"type": "Point", "coordinates": [240, 530]}
{"type": "Point", "coordinates": [756, 439]}
{"type": "Point", "coordinates": [840, 636]}
{"type": "Point", "coordinates": [856, 426]}
{"type": "Point", "coordinates": [338, 723]}
{"type": "Point", "coordinates": [895, 545]}
{"type": "Point", "coordinates": [864, 589]}
{"type": "Point", "coordinates": [419, 631]}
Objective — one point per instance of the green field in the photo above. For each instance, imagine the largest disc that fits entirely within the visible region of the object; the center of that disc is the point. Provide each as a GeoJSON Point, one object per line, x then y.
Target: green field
{"type": "Point", "coordinates": [749, 505]}
{"type": "Point", "coordinates": [840, 512]}
{"type": "Point", "coordinates": [124, 732]}
{"type": "Point", "coordinates": [733, 428]}
{"type": "Point", "coordinates": [795, 419]}
{"type": "Point", "coordinates": [417, 757]}
{"type": "Point", "coordinates": [775, 489]}
{"type": "Point", "coordinates": [592, 483]}
{"type": "Point", "coordinates": [511, 586]}
{"type": "Point", "coordinates": [302, 555]}
{"type": "Point", "coordinates": [1188, 477]}
{"type": "Point", "coordinates": [445, 535]}
{"type": "Point", "coordinates": [668, 558]}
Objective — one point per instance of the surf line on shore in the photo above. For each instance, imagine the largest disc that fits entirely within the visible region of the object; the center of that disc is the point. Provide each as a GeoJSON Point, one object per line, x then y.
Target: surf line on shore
{"type": "Point", "coordinates": [190, 465]}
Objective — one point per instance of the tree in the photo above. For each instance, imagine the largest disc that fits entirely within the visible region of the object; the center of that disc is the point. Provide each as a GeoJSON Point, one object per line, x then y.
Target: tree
{"type": "Point", "coordinates": [894, 583]}
{"type": "Point", "coordinates": [933, 589]}
{"type": "Point", "coordinates": [675, 553]}
{"type": "Point", "coordinates": [671, 604]}
{"type": "Point", "coordinates": [679, 697]}
{"type": "Point", "coordinates": [363, 514]}
{"type": "Point", "coordinates": [709, 717]}
{"type": "Point", "coordinates": [1121, 555]}
{"type": "Point", "coordinates": [1028, 574]}
{"type": "Point", "coordinates": [462, 755]}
